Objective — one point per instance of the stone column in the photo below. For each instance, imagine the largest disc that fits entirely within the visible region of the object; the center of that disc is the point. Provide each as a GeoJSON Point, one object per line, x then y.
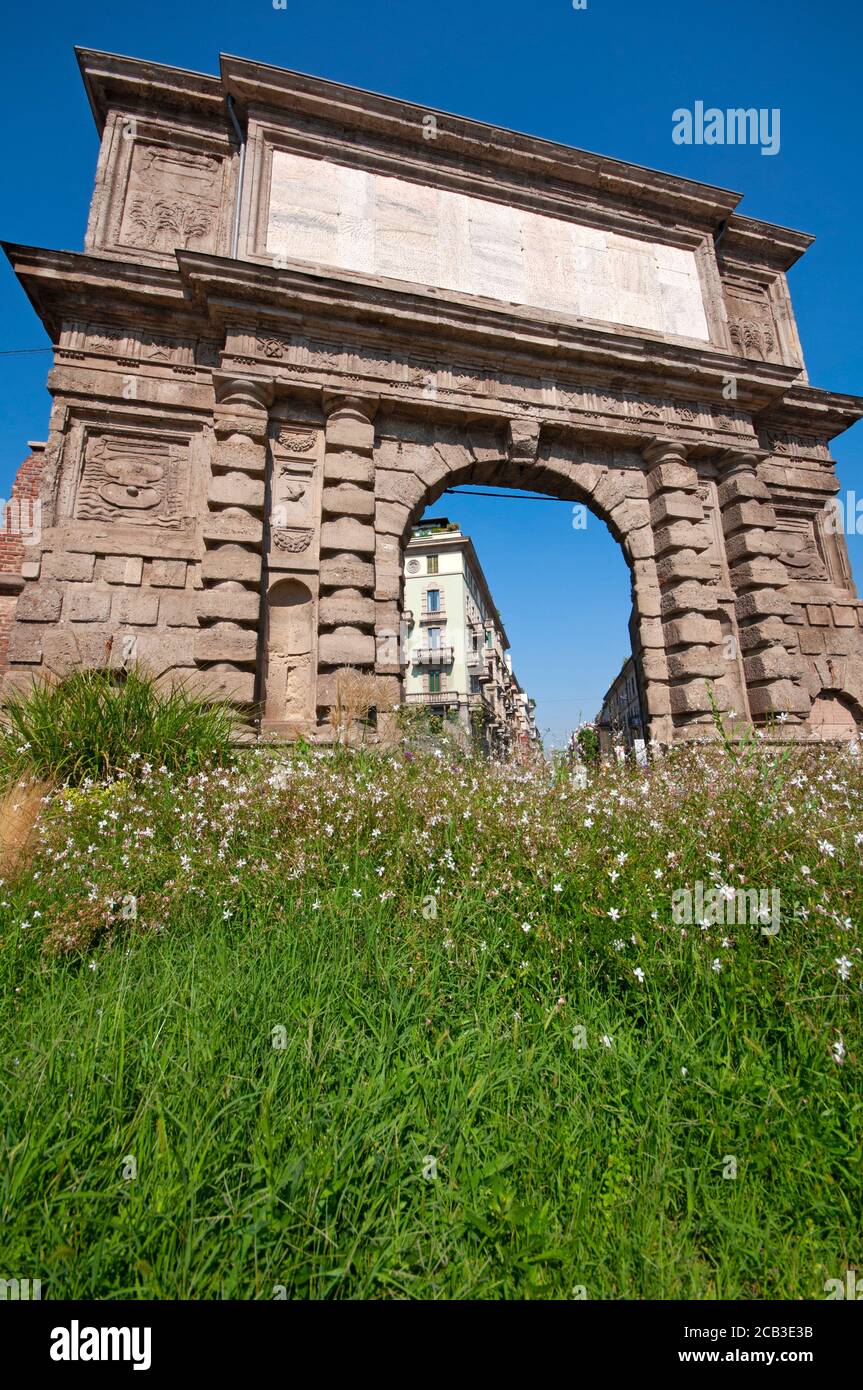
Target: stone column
{"type": "Point", "coordinates": [347, 575]}
{"type": "Point", "coordinates": [229, 607]}
{"type": "Point", "coordinates": [689, 609]}
{"type": "Point", "coordinates": [772, 662]}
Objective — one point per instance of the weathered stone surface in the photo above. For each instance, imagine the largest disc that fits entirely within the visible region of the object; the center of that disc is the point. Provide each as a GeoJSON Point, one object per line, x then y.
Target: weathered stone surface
{"type": "Point", "coordinates": [675, 506]}
{"type": "Point", "coordinates": [761, 603]}
{"type": "Point", "coordinates": [40, 603]}
{"type": "Point", "coordinates": [349, 429]}
{"type": "Point", "coordinates": [232, 562]}
{"type": "Point", "coordinates": [348, 534]}
{"type": "Point", "coordinates": [122, 569]}
{"type": "Point", "coordinates": [25, 643]}
{"type": "Point", "coordinates": [138, 608]}
{"type": "Point", "coordinates": [217, 683]}
{"type": "Point", "coordinates": [682, 535]}
{"type": "Point", "coordinates": [346, 646]}
{"type": "Point", "coordinates": [771, 664]}
{"type": "Point", "coordinates": [77, 567]}
{"type": "Point", "coordinates": [225, 605]}
{"type": "Point", "coordinates": [779, 697]}
{"type": "Point", "coordinates": [347, 572]}
{"type": "Point", "coordinates": [346, 467]}
{"type": "Point", "coordinates": [168, 574]}
{"type": "Point", "coordinates": [87, 605]}
{"type": "Point", "coordinates": [684, 632]}
{"type": "Point", "coordinates": [236, 490]}
{"type": "Point", "coordinates": [689, 597]}
{"type": "Point", "coordinates": [344, 499]}
{"type": "Point", "coordinates": [226, 643]}
{"type": "Point", "coordinates": [359, 612]}
{"type": "Point", "coordinates": [696, 661]}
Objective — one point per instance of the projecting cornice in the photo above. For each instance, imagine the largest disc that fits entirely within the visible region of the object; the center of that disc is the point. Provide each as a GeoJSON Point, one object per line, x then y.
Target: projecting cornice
{"type": "Point", "coordinates": [211, 295]}
{"type": "Point", "coordinates": [113, 82]}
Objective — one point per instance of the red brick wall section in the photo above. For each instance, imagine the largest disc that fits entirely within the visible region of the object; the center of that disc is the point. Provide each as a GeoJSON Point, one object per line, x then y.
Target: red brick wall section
{"type": "Point", "coordinates": [16, 522]}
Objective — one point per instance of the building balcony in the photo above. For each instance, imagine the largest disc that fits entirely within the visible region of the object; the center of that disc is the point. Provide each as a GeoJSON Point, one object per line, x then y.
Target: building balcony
{"type": "Point", "coordinates": [432, 656]}
{"type": "Point", "coordinates": [429, 697]}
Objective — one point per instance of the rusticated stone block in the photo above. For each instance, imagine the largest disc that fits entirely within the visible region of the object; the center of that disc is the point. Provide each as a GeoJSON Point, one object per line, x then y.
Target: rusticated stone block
{"type": "Point", "coordinates": [682, 535]}
{"type": "Point", "coordinates": [761, 603]}
{"type": "Point", "coordinates": [39, 603]}
{"type": "Point", "coordinates": [233, 525]}
{"type": "Point", "coordinates": [138, 608]}
{"type": "Point", "coordinates": [688, 598]}
{"type": "Point", "coordinates": [77, 567]}
{"type": "Point", "coordinates": [122, 569]}
{"type": "Point", "coordinates": [675, 506]}
{"type": "Point", "coordinates": [348, 429]}
{"type": "Point", "coordinates": [391, 518]}
{"type": "Point", "coordinates": [355, 611]}
{"type": "Point", "coordinates": [751, 513]}
{"type": "Point", "coordinates": [657, 697]}
{"type": "Point", "coordinates": [225, 605]}
{"type": "Point", "coordinates": [345, 467]}
{"type": "Point", "coordinates": [344, 499]}
{"type": "Point", "coordinates": [391, 486]}
{"type": "Point", "coordinates": [639, 543]}
{"type": "Point", "coordinates": [25, 643]}
{"type": "Point", "coordinates": [750, 545]}
{"type": "Point", "coordinates": [168, 574]}
{"type": "Point", "coordinates": [671, 477]}
{"type": "Point", "coordinates": [773, 663]}
{"type": "Point", "coordinates": [87, 605]}
{"type": "Point", "coordinates": [741, 488]}
{"type": "Point", "coordinates": [240, 454]}
{"type": "Point", "coordinates": [818, 614]}
{"type": "Point", "coordinates": [843, 615]}
{"type": "Point", "coordinates": [654, 665]}
{"type": "Point", "coordinates": [628, 517]}
{"type": "Point", "coordinates": [225, 683]}
{"type": "Point", "coordinates": [759, 572]}
{"type": "Point", "coordinates": [236, 490]}
{"type": "Point", "coordinates": [346, 646]}
{"type": "Point", "coordinates": [346, 572]}
{"type": "Point", "coordinates": [232, 562]}
{"type": "Point", "coordinates": [650, 633]}
{"type": "Point", "coordinates": [779, 697]}
{"type": "Point", "coordinates": [693, 698]}
{"type": "Point", "coordinates": [225, 642]}
{"type": "Point", "coordinates": [812, 641]}
{"type": "Point", "coordinates": [677, 568]}
{"type": "Point", "coordinates": [697, 661]}
{"type": "Point", "coordinates": [765, 633]}
{"type": "Point", "coordinates": [348, 534]}
{"type": "Point", "coordinates": [697, 631]}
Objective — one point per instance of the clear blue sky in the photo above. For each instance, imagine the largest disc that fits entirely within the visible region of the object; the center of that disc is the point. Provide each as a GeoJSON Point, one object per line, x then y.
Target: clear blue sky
{"type": "Point", "coordinates": [606, 79]}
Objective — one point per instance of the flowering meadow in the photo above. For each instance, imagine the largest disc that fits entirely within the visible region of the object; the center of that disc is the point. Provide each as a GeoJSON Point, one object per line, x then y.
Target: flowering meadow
{"type": "Point", "coordinates": [368, 1023]}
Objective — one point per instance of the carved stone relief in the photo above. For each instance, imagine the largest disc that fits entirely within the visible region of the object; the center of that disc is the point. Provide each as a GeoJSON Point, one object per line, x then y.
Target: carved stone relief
{"type": "Point", "coordinates": [131, 479]}
{"type": "Point", "coordinates": [172, 199]}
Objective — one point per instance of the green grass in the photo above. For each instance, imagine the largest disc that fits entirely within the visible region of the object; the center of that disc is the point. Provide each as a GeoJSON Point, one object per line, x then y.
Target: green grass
{"type": "Point", "coordinates": [430, 1025]}
{"type": "Point", "coordinates": [95, 724]}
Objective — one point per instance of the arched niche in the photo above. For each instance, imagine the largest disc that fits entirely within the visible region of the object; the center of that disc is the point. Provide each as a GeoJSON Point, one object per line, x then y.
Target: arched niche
{"type": "Point", "coordinates": [833, 716]}
{"type": "Point", "coordinates": [288, 695]}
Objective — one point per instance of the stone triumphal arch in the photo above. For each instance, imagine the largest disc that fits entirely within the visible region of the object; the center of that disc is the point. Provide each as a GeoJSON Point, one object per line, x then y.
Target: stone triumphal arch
{"type": "Point", "coordinates": [302, 311]}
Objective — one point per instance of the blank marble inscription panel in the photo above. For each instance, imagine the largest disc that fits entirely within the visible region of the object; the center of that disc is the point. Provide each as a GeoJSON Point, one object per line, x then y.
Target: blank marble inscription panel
{"type": "Point", "coordinates": [350, 219]}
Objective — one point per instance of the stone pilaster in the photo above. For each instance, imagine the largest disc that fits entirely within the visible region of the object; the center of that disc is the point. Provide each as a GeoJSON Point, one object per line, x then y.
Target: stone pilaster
{"type": "Point", "coordinates": [689, 609]}
{"type": "Point", "coordinates": [229, 608]}
{"type": "Point", "coordinates": [347, 573]}
{"type": "Point", "coordinates": [771, 655]}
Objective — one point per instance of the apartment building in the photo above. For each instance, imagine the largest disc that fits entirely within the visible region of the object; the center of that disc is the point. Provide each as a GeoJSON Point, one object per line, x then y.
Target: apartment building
{"type": "Point", "coordinates": [457, 660]}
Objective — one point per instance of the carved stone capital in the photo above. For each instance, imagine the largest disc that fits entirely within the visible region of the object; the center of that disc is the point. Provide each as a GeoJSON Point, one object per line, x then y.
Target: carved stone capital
{"type": "Point", "coordinates": [242, 405]}
{"type": "Point", "coordinates": [664, 451]}
{"type": "Point", "coordinates": [335, 402]}
{"type": "Point", "coordinates": [737, 461]}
